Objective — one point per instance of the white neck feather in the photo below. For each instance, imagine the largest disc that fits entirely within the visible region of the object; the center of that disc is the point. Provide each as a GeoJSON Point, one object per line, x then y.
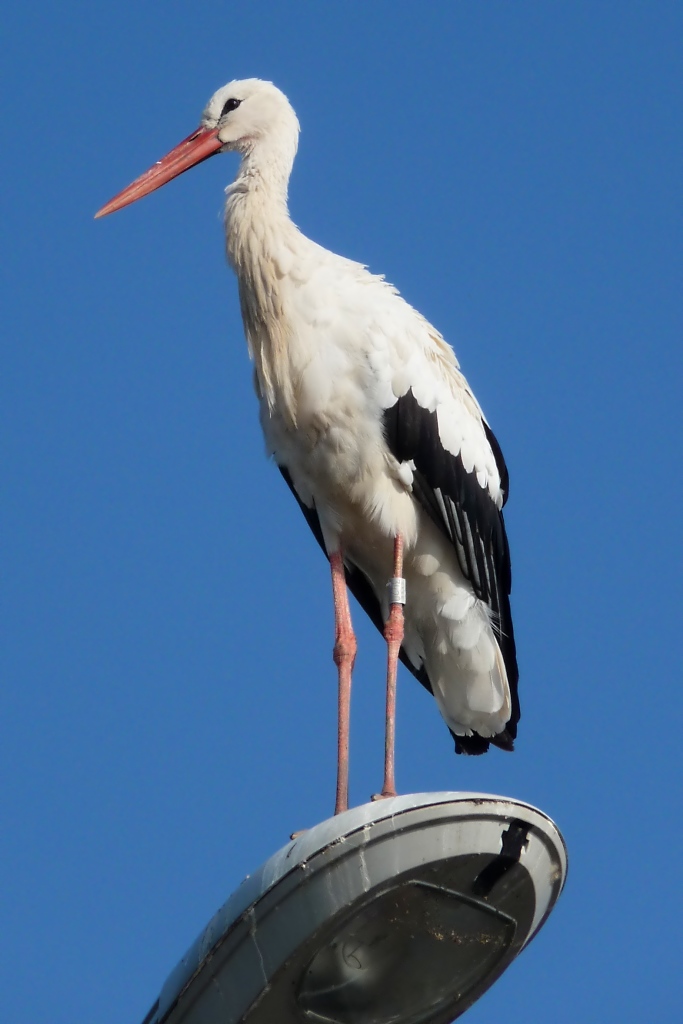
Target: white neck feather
{"type": "Point", "coordinates": [260, 242]}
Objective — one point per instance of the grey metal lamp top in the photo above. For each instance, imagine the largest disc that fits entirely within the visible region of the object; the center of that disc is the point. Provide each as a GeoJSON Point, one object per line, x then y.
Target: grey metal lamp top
{"type": "Point", "coordinates": [385, 880]}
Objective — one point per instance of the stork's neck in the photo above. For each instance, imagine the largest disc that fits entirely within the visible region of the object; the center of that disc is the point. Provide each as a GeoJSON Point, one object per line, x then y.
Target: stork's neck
{"type": "Point", "coordinates": [256, 214]}
{"type": "Point", "coordinates": [261, 241]}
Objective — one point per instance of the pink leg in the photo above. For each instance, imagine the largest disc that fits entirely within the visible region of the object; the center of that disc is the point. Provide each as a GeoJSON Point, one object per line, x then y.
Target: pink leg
{"type": "Point", "coordinates": [344, 655]}
{"type": "Point", "coordinates": [393, 634]}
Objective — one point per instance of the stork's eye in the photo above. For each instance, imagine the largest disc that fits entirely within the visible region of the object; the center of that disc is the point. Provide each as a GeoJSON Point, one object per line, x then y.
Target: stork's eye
{"type": "Point", "coordinates": [231, 104]}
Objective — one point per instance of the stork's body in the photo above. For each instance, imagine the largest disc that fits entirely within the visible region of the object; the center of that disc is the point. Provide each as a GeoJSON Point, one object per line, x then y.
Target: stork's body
{"type": "Point", "coordinates": [375, 429]}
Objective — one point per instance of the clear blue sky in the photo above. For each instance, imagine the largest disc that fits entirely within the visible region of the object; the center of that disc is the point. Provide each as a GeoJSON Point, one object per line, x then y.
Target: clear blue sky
{"type": "Point", "coordinates": [168, 693]}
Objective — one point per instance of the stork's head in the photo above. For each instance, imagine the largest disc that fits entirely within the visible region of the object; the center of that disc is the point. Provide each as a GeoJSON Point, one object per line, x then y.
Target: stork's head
{"type": "Point", "coordinates": [248, 112]}
{"type": "Point", "coordinates": [248, 116]}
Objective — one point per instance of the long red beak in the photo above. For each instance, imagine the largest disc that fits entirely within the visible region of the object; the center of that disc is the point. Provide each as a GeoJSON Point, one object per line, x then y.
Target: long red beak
{"type": "Point", "coordinates": [202, 144]}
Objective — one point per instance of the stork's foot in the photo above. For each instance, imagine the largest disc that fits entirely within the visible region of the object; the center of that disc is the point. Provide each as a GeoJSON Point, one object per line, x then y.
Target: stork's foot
{"type": "Point", "coordinates": [382, 796]}
{"type": "Point", "coordinates": [301, 832]}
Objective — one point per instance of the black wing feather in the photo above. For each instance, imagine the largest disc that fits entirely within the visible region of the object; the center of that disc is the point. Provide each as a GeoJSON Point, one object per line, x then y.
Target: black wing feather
{"type": "Point", "coordinates": [467, 515]}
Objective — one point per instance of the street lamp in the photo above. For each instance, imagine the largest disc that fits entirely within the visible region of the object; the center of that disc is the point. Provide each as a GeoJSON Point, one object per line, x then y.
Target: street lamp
{"type": "Point", "coordinates": [402, 911]}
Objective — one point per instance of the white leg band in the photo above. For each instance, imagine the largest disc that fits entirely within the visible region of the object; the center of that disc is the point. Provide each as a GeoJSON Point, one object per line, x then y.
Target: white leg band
{"type": "Point", "coordinates": [397, 590]}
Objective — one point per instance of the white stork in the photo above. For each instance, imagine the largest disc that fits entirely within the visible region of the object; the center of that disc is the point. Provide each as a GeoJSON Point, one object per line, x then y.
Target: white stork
{"type": "Point", "coordinates": [377, 434]}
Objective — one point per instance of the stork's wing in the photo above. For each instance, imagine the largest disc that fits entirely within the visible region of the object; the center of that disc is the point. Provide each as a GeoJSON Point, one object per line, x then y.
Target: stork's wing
{"type": "Point", "coordinates": [462, 505]}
